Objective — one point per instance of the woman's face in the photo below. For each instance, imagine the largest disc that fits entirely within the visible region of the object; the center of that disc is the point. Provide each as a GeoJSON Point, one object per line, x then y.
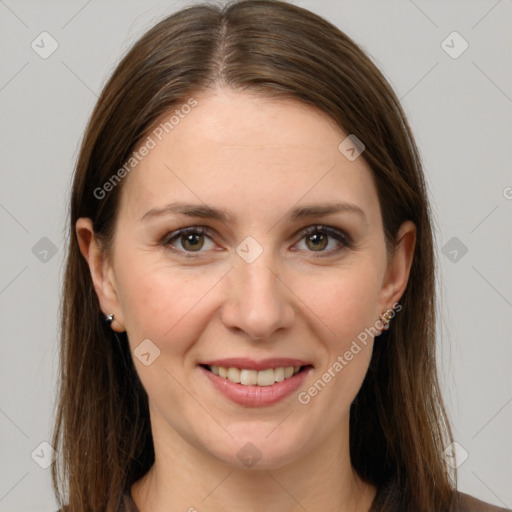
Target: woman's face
{"type": "Point", "coordinates": [256, 284]}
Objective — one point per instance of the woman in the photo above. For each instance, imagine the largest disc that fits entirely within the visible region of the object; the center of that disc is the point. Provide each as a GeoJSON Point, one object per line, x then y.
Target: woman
{"type": "Point", "coordinates": [248, 308]}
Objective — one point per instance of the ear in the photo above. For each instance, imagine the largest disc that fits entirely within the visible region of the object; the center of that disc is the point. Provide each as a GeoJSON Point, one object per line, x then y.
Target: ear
{"type": "Point", "coordinates": [101, 272]}
{"type": "Point", "coordinates": [399, 266]}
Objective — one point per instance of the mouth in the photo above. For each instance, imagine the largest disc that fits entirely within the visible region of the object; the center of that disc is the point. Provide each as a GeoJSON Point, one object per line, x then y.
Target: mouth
{"type": "Point", "coordinates": [256, 383]}
{"type": "Point", "coordinates": [251, 377]}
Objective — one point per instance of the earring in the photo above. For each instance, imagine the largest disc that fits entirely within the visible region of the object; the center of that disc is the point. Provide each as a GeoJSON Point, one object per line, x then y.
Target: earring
{"type": "Point", "coordinates": [385, 319]}
{"type": "Point", "coordinates": [109, 318]}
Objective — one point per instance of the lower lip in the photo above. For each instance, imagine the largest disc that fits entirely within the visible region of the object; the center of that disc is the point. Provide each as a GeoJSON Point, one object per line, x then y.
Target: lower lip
{"type": "Point", "coordinates": [257, 396]}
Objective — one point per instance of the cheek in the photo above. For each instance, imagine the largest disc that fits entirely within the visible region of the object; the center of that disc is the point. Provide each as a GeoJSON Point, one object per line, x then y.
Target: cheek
{"type": "Point", "coordinates": [345, 303]}
{"type": "Point", "coordinates": [345, 300]}
{"type": "Point", "coordinates": [162, 302]}
{"type": "Point", "coordinates": [347, 306]}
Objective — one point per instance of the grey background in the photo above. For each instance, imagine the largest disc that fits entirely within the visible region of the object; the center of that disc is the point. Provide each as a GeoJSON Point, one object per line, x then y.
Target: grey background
{"type": "Point", "coordinates": [459, 109]}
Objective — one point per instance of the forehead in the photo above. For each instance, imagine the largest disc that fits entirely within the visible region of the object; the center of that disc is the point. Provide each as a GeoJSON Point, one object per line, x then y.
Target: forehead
{"type": "Point", "coordinates": [246, 150]}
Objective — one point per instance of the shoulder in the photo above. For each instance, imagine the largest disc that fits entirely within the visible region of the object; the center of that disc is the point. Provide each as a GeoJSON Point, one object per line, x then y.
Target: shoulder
{"type": "Point", "coordinates": [391, 498]}
{"type": "Point", "coordinates": [469, 503]}
{"type": "Point", "coordinates": [127, 504]}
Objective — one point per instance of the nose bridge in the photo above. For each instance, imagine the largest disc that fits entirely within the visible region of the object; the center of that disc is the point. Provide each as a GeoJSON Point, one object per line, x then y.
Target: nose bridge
{"type": "Point", "coordinates": [258, 279]}
{"type": "Point", "coordinates": [257, 302]}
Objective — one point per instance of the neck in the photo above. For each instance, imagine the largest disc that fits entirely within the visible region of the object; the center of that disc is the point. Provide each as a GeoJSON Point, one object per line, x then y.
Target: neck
{"type": "Point", "coordinates": [185, 478]}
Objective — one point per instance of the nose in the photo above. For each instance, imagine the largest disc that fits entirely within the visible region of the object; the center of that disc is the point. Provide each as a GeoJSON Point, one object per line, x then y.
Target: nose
{"type": "Point", "coordinates": [258, 302]}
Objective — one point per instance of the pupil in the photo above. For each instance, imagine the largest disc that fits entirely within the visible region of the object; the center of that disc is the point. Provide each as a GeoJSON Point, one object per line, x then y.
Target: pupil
{"type": "Point", "coordinates": [193, 242]}
{"type": "Point", "coordinates": [319, 240]}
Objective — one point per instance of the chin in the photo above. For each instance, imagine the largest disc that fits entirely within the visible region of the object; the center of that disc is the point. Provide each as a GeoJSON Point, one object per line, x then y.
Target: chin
{"type": "Point", "coordinates": [260, 451]}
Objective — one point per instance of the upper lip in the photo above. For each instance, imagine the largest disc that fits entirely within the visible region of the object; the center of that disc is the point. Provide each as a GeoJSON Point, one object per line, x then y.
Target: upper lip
{"type": "Point", "coordinates": [251, 364]}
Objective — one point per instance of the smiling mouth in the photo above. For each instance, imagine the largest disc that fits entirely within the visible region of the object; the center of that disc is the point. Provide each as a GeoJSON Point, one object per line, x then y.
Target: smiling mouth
{"type": "Point", "coordinates": [247, 377]}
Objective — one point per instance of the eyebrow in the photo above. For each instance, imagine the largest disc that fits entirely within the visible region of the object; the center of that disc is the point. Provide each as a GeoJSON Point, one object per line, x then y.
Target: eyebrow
{"type": "Point", "coordinates": [208, 212]}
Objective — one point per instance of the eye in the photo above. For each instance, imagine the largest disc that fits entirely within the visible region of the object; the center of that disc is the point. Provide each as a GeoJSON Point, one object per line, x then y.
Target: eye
{"type": "Point", "coordinates": [324, 240]}
{"type": "Point", "coordinates": [191, 239]}
{"type": "Point", "coordinates": [316, 239]}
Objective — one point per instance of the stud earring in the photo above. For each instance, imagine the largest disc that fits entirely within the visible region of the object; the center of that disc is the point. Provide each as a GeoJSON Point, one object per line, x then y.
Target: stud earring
{"type": "Point", "coordinates": [385, 319]}
{"type": "Point", "coordinates": [109, 318]}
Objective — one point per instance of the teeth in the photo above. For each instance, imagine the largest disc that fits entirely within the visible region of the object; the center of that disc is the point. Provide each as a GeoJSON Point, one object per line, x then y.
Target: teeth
{"type": "Point", "coordinates": [248, 377]}
{"type": "Point", "coordinates": [266, 377]}
{"type": "Point", "coordinates": [253, 377]}
{"type": "Point", "coordinates": [234, 374]}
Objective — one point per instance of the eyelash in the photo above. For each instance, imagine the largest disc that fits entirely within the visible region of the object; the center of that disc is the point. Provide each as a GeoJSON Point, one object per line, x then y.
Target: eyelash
{"type": "Point", "coordinates": [338, 235]}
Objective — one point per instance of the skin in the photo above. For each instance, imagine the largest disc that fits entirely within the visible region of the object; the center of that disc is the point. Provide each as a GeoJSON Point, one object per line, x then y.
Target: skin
{"type": "Point", "coordinates": [256, 158]}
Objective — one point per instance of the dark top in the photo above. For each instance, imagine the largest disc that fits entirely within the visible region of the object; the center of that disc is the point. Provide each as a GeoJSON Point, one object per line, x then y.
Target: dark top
{"type": "Point", "coordinates": [387, 499]}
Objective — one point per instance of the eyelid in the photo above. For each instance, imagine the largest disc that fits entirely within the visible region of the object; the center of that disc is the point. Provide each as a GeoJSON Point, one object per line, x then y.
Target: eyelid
{"type": "Point", "coordinates": [339, 234]}
{"type": "Point", "coordinates": [202, 230]}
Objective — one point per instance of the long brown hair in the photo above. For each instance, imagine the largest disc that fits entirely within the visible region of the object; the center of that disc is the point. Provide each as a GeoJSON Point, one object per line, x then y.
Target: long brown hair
{"type": "Point", "coordinates": [398, 423]}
